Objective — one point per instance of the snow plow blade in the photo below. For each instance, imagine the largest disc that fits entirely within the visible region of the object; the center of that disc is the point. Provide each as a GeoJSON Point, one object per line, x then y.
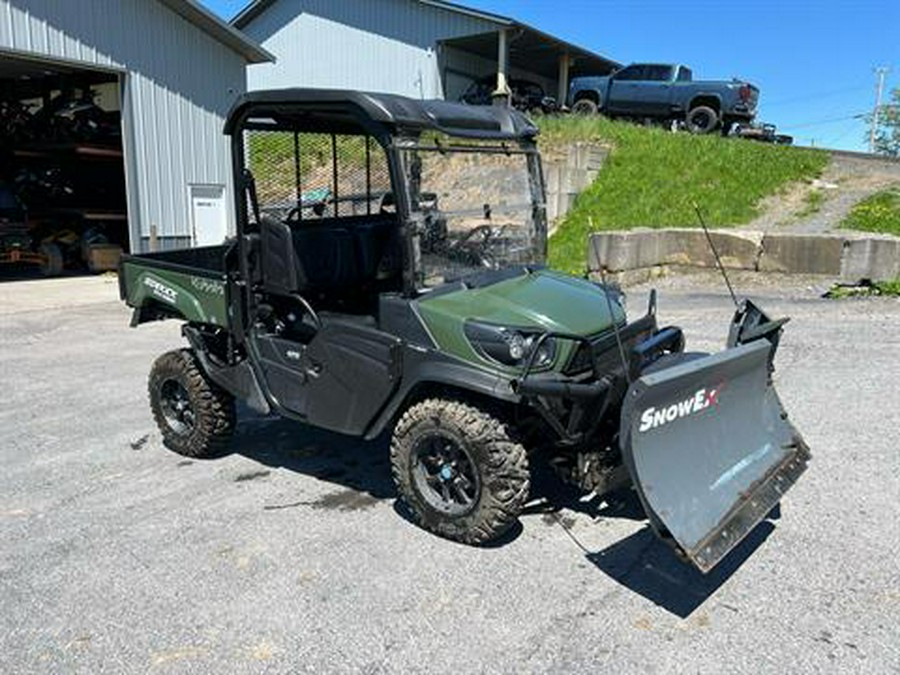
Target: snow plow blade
{"type": "Point", "coordinates": [710, 449]}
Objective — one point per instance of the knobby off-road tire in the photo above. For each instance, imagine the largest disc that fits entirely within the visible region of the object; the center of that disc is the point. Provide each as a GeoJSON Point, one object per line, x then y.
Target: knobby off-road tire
{"type": "Point", "coordinates": [445, 448]}
{"type": "Point", "coordinates": [702, 120]}
{"type": "Point", "coordinates": [585, 107]}
{"type": "Point", "coordinates": [195, 416]}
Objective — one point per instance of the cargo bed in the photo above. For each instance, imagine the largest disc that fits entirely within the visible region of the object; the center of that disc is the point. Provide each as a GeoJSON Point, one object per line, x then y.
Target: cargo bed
{"type": "Point", "coordinates": [186, 283]}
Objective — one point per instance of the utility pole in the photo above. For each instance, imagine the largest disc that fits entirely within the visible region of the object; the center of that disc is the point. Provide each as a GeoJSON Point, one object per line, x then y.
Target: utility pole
{"type": "Point", "coordinates": [880, 73]}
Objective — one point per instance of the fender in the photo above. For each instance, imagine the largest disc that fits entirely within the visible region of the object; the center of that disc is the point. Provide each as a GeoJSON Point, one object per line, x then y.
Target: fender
{"type": "Point", "coordinates": [239, 380]}
{"type": "Point", "coordinates": [597, 85]}
{"type": "Point", "coordinates": [705, 94]}
{"type": "Point", "coordinates": [424, 367]}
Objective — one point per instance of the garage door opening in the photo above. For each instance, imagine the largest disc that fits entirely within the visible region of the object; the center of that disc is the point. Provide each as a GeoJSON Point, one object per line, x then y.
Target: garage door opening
{"type": "Point", "coordinates": [62, 175]}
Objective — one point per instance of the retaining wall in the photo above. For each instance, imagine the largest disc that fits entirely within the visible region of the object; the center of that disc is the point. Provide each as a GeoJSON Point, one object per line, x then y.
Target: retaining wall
{"type": "Point", "coordinates": [850, 256]}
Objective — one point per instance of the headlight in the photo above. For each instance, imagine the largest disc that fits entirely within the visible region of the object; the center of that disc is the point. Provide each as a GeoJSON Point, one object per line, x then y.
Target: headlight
{"type": "Point", "coordinates": [510, 346]}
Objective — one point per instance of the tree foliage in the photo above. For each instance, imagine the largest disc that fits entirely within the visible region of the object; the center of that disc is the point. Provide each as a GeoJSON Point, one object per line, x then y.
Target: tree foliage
{"type": "Point", "coordinates": [887, 132]}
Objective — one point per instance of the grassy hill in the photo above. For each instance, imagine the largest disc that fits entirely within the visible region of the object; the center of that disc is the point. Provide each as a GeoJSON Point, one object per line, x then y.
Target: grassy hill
{"type": "Point", "coordinates": [879, 213]}
{"type": "Point", "coordinates": [652, 177]}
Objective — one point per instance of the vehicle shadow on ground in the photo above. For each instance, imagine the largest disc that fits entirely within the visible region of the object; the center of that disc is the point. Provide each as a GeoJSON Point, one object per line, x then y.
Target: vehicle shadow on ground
{"type": "Point", "coordinates": [352, 463]}
{"type": "Point", "coordinates": [361, 467]}
{"type": "Point", "coordinates": [641, 562]}
{"type": "Point", "coordinates": [553, 495]}
{"type": "Point", "coordinates": [644, 564]}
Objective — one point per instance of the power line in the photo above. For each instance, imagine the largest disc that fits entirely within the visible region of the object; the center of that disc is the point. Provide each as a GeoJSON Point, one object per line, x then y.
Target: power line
{"type": "Point", "coordinates": [812, 97]}
{"type": "Point", "coordinates": [833, 140]}
{"type": "Point", "coordinates": [857, 116]}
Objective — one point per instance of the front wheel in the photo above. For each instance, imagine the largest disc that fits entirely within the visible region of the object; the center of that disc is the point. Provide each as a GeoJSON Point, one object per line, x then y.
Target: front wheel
{"type": "Point", "coordinates": [195, 416]}
{"type": "Point", "coordinates": [585, 107]}
{"type": "Point", "coordinates": [459, 471]}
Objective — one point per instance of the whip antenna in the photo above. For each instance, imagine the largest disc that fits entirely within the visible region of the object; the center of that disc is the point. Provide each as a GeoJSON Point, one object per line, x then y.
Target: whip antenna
{"type": "Point", "coordinates": [626, 369]}
{"type": "Point", "coordinates": [715, 253]}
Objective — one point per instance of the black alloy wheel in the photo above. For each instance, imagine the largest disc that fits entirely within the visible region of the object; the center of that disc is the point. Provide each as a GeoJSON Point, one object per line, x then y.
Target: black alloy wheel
{"type": "Point", "coordinates": [444, 475]}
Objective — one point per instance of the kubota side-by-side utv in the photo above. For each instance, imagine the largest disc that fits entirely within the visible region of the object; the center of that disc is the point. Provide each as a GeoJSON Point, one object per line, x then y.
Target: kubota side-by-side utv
{"type": "Point", "coordinates": [387, 274]}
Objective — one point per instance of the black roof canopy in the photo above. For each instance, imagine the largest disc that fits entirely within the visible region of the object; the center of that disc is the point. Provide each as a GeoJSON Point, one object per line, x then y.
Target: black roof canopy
{"type": "Point", "coordinates": [338, 110]}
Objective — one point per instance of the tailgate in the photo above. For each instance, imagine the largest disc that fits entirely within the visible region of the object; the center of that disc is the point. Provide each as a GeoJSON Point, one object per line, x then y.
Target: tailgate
{"type": "Point", "coordinates": [710, 449]}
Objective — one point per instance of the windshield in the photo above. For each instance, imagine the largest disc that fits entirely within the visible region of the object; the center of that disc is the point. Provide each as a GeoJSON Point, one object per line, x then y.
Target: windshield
{"type": "Point", "coordinates": [476, 204]}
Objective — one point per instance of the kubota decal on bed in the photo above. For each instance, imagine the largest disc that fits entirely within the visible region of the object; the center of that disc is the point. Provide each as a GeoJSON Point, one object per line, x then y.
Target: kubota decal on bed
{"type": "Point", "coordinates": [161, 291]}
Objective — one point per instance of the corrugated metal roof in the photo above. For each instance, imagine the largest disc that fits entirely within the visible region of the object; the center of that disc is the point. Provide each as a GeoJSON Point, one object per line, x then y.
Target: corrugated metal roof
{"type": "Point", "coordinates": [219, 29]}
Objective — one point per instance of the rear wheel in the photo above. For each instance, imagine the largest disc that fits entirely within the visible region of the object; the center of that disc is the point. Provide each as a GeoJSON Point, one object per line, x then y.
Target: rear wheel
{"type": "Point", "coordinates": [702, 120]}
{"type": "Point", "coordinates": [585, 107]}
{"type": "Point", "coordinates": [195, 416]}
{"type": "Point", "coordinates": [459, 471]}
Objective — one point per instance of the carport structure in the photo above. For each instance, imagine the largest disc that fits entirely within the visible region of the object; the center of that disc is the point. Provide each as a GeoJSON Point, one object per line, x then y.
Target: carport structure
{"type": "Point", "coordinates": [516, 48]}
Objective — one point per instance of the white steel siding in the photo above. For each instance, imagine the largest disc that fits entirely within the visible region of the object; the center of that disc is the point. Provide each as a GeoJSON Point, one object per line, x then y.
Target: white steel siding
{"type": "Point", "coordinates": [179, 83]}
{"type": "Point", "coordinates": [387, 46]}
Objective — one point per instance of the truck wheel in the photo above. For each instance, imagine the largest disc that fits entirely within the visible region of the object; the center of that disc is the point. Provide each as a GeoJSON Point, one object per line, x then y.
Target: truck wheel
{"type": "Point", "coordinates": [702, 120]}
{"type": "Point", "coordinates": [459, 471]}
{"type": "Point", "coordinates": [52, 264]}
{"type": "Point", "coordinates": [585, 107]}
{"type": "Point", "coordinates": [195, 416]}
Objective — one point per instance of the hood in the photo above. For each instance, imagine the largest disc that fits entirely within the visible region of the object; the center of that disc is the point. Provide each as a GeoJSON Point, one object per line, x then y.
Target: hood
{"type": "Point", "coordinates": [544, 300]}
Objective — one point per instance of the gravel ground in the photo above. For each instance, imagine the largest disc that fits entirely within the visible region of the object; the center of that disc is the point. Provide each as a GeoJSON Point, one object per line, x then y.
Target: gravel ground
{"type": "Point", "coordinates": [853, 179]}
{"type": "Point", "coordinates": [290, 556]}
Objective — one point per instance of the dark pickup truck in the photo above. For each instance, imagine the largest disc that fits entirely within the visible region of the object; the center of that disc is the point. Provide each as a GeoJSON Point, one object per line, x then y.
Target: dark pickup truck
{"type": "Point", "coordinates": [665, 92]}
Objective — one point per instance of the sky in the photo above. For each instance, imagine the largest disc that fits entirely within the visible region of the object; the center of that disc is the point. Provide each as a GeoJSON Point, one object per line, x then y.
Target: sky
{"type": "Point", "coordinates": [813, 60]}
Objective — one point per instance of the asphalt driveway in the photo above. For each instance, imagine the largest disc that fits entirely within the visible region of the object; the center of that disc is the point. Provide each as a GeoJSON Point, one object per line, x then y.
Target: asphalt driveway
{"type": "Point", "coordinates": [289, 555]}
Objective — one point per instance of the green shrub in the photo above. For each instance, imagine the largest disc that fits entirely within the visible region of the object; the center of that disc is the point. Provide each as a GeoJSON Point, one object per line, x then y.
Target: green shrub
{"type": "Point", "coordinates": [878, 213]}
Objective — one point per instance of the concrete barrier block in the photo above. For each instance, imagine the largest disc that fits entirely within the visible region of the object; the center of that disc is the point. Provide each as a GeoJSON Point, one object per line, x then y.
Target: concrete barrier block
{"type": "Point", "coordinates": [573, 180]}
{"type": "Point", "coordinates": [802, 253]}
{"type": "Point", "coordinates": [636, 249]}
{"type": "Point", "coordinates": [551, 177]}
{"type": "Point", "coordinates": [620, 251]}
{"type": "Point", "coordinates": [586, 156]}
{"type": "Point", "coordinates": [872, 258]}
{"type": "Point", "coordinates": [689, 247]}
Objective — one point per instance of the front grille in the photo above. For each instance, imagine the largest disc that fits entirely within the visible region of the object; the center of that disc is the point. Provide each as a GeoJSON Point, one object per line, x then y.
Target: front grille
{"type": "Point", "coordinates": [603, 350]}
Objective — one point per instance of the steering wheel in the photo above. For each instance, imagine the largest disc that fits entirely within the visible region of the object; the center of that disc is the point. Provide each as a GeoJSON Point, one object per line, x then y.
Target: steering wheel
{"type": "Point", "coordinates": [293, 216]}
{"type": "Point", "coordinates": [475, 244]}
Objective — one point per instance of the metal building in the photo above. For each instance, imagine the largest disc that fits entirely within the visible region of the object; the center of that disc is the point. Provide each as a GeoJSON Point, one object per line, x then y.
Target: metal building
{"type": "Point", "coordinates": [170, 69]}
{"type": "Point", "coordinates": [417, 48]}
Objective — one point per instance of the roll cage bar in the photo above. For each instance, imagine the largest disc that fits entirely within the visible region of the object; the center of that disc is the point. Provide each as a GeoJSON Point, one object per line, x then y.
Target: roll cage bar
{"type": "Point", "coordinates": [382, 117]}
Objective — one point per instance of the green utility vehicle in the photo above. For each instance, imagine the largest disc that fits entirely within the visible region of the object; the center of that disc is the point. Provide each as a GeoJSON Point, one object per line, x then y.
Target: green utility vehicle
{"type": "Point", "coordinates": [387, 276]}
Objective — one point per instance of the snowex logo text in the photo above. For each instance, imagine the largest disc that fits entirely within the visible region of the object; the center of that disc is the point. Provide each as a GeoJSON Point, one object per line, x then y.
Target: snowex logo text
{"type": "Point", "coordinates": [702, 399]}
